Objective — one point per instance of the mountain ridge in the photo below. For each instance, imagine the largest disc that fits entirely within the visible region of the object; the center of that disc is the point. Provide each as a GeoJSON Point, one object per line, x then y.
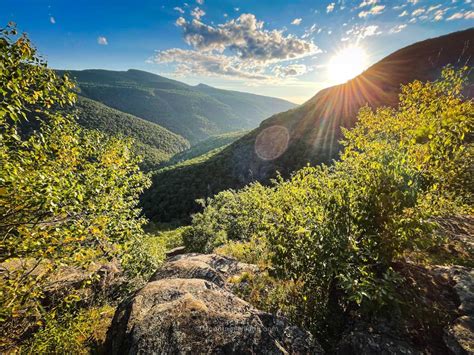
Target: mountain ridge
{"type": "Point", "coordinates": [311, 130]}
{"type": "Point", "coordinates": [194, 112]}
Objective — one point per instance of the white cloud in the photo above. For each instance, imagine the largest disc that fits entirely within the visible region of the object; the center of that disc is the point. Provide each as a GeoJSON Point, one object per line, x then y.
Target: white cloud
{"type": "Point", "coordinates": [296, 21]}
{"type": "Point", "coordinates": [246, 38]}
{"type": "Point", "coordinates": [309, 31]}
{"type": "Point", "coordinates": [399, 7]}
{"type": "Point", "coordinates": [198, 63]}
{"type": "Point", "coordinates": [398, 28]}
{"type": "Point", "coordinates": [469, 15]}
{"type": "Point", "coordinates": [289, 70]}
{"type": "Point", "coordinates": [240, 48]}
{"type": "Point", "coordinates": [197, 13]}
{"type": "Point", "coordinates": [438, 15]}
{"type": "Point", "coordinates": [52, 20]}
{"type": "Point", "coordinates": [102, 41]}
{"type": "Point", "coordinates": [330, 7]}
{"type": "Point", "coordinates": [376, 10]}
{"type": "Point", "coordinates": [404, 13]}
{"type": "Point", "coordinates": [200, 2]}
{"type": "Point", "coordinates": [434, 7]}
{"type": "Point", "coordinates": [180, 10]}
{"type": "Point", "coordinates": [418, 12]}
{"type": "Point", "coordinates": [361, 32]}
{"type": "Point", "coordinates": [368, 3]}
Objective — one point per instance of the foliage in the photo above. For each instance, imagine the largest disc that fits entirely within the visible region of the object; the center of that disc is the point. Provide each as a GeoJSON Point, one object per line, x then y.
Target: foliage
{"type": "Point", "coordinates": [229, 216]}
{"type": "Point", "coordinates": [175, 189]}
{"type": "Point", "coordinates": [159, 242]}
{"type": "Point", "coordinates": [336, 231]}
{"type": "Point", "coordinates": [81, 333]}
{"type": "Point", "coordinates": [68, 196]}
{"type": "Point", "coordinates": [194, 112]}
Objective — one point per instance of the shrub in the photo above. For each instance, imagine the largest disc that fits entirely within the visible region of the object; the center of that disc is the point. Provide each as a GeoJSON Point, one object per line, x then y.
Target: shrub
{"type": "Point", "coordinates": [81, 333]}
{"type": "Point", "coordinates": [68, 196]}
{"type": "Point", "coordinates": [337, 231]}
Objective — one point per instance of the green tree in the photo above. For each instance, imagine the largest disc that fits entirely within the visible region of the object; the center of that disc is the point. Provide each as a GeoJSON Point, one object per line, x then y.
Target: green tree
{"type": "Point", "coordinates": [68, 196]}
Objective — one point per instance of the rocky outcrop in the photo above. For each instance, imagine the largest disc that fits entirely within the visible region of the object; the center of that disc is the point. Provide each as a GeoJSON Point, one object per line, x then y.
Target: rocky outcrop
{"type": "Point", "coordinates": [214, 268]}
{"type": "Point", "coordinates": [445, 324]}
{"type": "Point", "coordinates": [459, 335]}
{"type": "Point", "coordinates": [188, 308]}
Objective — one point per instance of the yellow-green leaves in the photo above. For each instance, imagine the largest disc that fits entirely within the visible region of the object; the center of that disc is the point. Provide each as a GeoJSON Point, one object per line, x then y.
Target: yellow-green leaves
{"type": "Point", "coordinates": [68, 196]}
{"type": "Point", "coordinates": [342, 227]}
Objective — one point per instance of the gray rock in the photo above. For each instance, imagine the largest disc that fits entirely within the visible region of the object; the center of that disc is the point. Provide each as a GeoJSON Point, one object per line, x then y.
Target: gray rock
{"type": "Point", "coordinates": [185, 316]}
{"type": "Point", "coordinates": [367, 340]}
{"type": "Point", "coordinates": [211, 267]}
{"type": "Point", "coordinates": [175, 251]}
{"type": "Point", "coordinates": [186, 309]}
{"type": "Point", "coordinates": [459, 335]}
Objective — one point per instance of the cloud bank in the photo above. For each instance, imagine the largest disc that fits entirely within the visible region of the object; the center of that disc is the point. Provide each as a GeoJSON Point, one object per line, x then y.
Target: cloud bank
{"type": "Point", "coordinates": [240, 48]}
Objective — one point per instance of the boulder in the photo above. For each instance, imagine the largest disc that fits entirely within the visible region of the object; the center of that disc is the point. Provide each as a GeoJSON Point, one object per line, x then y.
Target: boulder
{"type": "Point", "coordinates": [186, 308]}
{"type": "Point", "coordinates": [175, 251]}
{"type": "Point", "coordinates": [211, 267]}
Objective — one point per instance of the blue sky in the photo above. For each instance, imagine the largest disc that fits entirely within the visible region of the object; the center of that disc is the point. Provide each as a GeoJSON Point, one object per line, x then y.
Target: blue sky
{"type": "Point", "coordinates": [277, 48]}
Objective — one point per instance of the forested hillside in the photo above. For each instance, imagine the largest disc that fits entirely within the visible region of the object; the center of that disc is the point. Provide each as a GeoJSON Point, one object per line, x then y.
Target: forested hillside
{"type": "Point", "coordinates": [309, 133]}
{"type": "Point", "coordinates": [371, 254]}
{"type": "Point", "coordinates": [192, 112]}
{"type": "Point", "coordinates": [206, 146]}
{"type": "Point", "coordinates": [153, 142]}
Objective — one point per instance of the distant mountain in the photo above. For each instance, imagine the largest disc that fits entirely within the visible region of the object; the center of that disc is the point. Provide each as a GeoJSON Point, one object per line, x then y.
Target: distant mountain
{"type": "Point", "coordinates": [194, 112]}
{"type": "Point", "coordinates": [309, 133]}
{"type": "Point", "coordinates": [155, 143]}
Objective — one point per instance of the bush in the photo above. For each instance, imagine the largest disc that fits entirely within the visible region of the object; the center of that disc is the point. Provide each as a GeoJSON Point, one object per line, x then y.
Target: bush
{"type": "Point", "coordinates": [68, 196]}
{"type": "Point", "coordinates": [337, 231]}
{"type": "Point", "coordinates": [81, 333]}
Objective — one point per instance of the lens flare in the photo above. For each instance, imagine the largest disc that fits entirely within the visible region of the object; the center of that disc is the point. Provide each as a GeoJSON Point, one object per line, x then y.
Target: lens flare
{"type": "Point", "coordinates": [272, 142]}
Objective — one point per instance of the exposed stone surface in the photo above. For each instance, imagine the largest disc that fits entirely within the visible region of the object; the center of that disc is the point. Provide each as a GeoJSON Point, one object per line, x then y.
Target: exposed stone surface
{"type": "Point", "coordinates": [459, 336]}
{"type": "Point", "coordinates": [185, 309]}
{"type": "Point", "coordinates": [211, 267]}
{"type": "Point", "coordinates": [365, 340]}
{"type": "Point", "coordinates": [446, 290]}
{"type": "Point", "coordinates": [175, 251]}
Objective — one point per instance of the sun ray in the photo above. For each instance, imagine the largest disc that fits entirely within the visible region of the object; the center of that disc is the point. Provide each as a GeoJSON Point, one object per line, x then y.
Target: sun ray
{"type": "Point", "coordinates": [346, 64]}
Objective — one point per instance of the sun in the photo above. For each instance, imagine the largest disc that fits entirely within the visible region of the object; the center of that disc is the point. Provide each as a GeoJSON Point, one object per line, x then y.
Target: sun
{"type": "Point", "coordinates": [346, 64]}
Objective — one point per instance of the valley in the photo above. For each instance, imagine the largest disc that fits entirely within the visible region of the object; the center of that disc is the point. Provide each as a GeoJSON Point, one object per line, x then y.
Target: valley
{"type": "Point", "coordinates": [144, 215]}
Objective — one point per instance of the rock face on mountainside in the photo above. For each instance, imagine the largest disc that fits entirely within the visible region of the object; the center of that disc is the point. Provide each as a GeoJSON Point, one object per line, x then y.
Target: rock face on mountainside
{"type": "Point", "coordinates": [187, 308]}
